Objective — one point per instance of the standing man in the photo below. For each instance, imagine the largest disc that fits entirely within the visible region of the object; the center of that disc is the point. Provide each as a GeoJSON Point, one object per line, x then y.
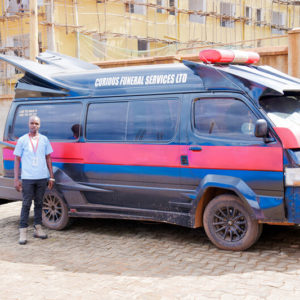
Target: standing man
{"type": "Point", "coordinates": [34, 150]}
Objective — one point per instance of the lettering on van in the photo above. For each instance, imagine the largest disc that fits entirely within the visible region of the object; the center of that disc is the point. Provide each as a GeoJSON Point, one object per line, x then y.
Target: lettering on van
{"type": "Point", "coordinates": [141, 80]}
{"type": "Point", "coordinates": [27, 112]}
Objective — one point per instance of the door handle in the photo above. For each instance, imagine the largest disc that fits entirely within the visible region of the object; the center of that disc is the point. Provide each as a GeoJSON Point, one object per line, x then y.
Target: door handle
{"type": "Point", "coordinates": [195, 148]}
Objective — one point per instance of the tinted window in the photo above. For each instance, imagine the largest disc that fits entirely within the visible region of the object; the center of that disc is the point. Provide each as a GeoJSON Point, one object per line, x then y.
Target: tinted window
{"type": "Point", "coordinates": [106, 121]}
{"type": "Point", "coordinates": [152, 120]}
{"type": "Point", "coordinates": [227, 118]}
{"type": "Point", "coordinates": [58, 121]}
{"type": "Point", "coordinates": [132, 121]}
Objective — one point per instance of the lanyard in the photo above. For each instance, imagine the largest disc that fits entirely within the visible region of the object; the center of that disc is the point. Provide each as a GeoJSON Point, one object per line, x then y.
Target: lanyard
{"type": "Point", "coordinates": [37, 144]}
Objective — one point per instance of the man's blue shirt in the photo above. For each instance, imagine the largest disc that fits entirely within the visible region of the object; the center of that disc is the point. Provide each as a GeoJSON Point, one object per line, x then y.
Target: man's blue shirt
{"type": "Point", "coordinates": [30, 170]}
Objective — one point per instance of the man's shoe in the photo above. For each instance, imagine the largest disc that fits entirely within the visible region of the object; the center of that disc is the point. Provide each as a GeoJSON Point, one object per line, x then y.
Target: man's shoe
{"type": "Point", "coordinates": [39, 233]}
{"type": "Point", "coordinates": [23, 239]}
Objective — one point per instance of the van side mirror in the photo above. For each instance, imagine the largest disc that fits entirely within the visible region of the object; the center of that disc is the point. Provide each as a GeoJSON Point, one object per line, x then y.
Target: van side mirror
{"type": "Point", "coordinates": [261, 128]}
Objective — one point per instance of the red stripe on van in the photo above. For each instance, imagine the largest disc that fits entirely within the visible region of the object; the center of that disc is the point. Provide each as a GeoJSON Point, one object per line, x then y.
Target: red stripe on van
{"type": "Point", "coordinates": [211, 157]}
{"type": "Point", "coordinates": [132, 154]}
{"type": "Point", "coordinates": [257, 158]}
{"type": "Point", "coordinates": [8, 154]}
{"type": "Point", "coordinates": [288, 138]}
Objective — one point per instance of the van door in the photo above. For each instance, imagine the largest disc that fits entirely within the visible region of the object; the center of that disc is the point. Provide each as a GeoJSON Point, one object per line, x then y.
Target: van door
{"type": "Point", "coordinates": [132, 151]}
{"type": "Point", "coordinates": [220, 140]}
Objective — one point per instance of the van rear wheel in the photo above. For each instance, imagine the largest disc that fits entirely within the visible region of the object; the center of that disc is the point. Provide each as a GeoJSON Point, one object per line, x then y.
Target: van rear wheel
{"type": "Point", "coordinates": [55, 212]}
{"type": "Point", "coordinates": [229, 225]}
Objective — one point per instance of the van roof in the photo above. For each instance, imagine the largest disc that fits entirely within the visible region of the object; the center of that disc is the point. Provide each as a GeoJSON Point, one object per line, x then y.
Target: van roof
{"type": "Point", "coordinates": [58, 75]}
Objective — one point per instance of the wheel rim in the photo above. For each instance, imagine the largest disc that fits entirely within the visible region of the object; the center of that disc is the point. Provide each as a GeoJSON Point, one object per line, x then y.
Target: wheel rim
{"type": "Point", "coordinates": [52, 209]}
{"type": "Point", "coordinates": [230, 224]}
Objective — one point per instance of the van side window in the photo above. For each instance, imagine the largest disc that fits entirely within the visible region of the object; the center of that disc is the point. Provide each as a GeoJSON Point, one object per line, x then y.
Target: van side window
{"type": "Point", "coordinates": [153, 120]}
{"type": "Point", "coordinates": [226, 118]}
{"type": "Point", "coordinates": [58, 121]}
{"type": "Point", "coordinates": [106, 121]}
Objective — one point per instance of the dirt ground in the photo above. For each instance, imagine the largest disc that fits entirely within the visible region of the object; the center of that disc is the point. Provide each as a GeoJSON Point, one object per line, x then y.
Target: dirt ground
{"type": "Point", "coordinates": [115, 259]}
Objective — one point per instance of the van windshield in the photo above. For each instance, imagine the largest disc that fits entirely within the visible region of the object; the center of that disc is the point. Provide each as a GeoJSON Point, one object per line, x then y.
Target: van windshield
{"type": "Point", "coordinates": [283, 111]}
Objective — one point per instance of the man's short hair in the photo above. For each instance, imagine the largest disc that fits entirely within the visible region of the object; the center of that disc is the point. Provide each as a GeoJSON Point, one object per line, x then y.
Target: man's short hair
{"type": "Point", "coordinates": [34, 117]}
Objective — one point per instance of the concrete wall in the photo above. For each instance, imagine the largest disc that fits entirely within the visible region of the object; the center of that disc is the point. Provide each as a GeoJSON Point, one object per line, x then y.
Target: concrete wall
{"type": "Point", "coordinates": [276, 57]}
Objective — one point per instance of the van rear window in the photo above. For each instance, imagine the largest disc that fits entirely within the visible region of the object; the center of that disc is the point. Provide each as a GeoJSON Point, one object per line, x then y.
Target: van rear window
{"type": "Point", "coordinates": [152, 120]}
{"type": "Point", "coordinates": [58, 121]}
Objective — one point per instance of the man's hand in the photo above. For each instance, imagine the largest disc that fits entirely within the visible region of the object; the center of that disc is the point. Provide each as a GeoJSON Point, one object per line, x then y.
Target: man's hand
{"type": "Point", "coordinates": [18, 185]}
{"type": "Point", "coordinates": [50, 184]}
{"type": "Point", "coordinates": [49, 165]}
{"type": "Point", "coordinates": [17, 182]}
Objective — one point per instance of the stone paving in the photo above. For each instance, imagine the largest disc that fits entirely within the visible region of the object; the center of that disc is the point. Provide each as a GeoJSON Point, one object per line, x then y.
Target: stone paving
{"type": "Point", "coordinates": [113, 259]}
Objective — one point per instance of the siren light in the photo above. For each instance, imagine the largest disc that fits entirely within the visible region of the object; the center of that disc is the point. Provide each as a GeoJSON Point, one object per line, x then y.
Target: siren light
{"type": "Point", "coordinates": [228, 56]}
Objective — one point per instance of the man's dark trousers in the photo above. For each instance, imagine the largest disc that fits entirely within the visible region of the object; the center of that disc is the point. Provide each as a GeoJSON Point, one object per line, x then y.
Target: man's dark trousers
{"type": "Point", "coordinates": [32, 189]}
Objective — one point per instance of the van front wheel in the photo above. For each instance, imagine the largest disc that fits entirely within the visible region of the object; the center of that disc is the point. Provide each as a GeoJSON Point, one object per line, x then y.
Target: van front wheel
{"type": "Point", "coordinates": [55, 212]}
{"type": "Point", "coordinates": [229, 225]}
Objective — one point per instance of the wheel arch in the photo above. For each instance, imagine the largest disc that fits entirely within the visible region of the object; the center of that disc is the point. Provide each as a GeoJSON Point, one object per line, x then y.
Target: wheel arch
{"type": "Point", "coordinates": [214, 185]}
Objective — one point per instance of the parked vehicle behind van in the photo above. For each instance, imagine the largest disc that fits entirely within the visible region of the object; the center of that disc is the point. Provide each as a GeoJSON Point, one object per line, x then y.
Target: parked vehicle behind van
{"type": "Point", "coordinates": [213, 144]}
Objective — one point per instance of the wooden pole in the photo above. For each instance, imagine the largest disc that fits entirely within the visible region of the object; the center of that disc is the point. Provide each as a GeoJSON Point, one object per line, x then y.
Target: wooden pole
{"type": "Point", "coordinates": [34, 42]}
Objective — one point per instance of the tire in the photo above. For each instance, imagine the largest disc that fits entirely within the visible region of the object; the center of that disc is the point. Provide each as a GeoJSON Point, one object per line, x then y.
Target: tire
{"type": "Point", "coordinates": [55, 212]}
{"type": "Point", "coordinates": [229, 225]}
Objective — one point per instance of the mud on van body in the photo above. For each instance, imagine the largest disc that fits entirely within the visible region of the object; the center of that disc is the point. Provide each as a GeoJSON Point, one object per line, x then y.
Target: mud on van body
{"type": "Point", "coordinates": [192, 144]}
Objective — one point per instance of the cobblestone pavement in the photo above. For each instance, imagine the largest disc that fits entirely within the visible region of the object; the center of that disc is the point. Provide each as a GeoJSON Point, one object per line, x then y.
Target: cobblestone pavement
{"type": "Point", "coordinates": [112, 259]}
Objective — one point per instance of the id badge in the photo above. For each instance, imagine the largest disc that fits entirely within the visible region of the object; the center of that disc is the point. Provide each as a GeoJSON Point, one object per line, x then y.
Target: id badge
{"type": "Point", "coordinates": [35, 161]}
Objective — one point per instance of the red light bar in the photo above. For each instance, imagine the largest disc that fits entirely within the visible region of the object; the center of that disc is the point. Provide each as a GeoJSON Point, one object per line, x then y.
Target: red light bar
{"type": "Point", "coordinates": [228, 56]}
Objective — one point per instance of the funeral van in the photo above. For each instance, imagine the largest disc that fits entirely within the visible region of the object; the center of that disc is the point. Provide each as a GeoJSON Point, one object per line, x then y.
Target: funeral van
{"type": "Point", "coordinates": [214, 143]}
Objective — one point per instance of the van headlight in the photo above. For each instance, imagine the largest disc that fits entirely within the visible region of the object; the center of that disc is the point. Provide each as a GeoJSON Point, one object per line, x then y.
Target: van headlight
{"type": "Point", "coordinates": [292, 177]}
